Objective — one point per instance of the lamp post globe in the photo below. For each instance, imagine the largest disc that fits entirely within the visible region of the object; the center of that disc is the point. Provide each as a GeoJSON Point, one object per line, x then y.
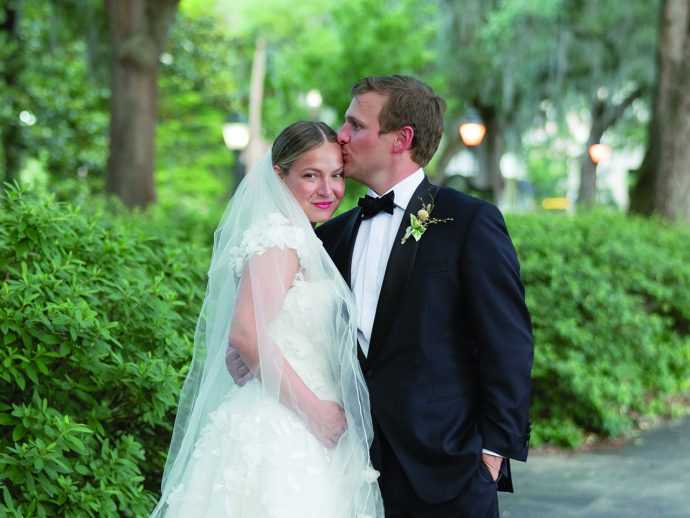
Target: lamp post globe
{"type": "Point", "coordinates": [599, 152]}
{"type": "Point", "coordinates": [236, 138]}
{"type": "Point", "coordinates": [472, 133]}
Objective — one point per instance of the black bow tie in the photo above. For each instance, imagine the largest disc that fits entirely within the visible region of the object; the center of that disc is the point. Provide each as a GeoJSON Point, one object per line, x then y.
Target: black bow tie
{"type": "Point", "coordinates": [372, 206]}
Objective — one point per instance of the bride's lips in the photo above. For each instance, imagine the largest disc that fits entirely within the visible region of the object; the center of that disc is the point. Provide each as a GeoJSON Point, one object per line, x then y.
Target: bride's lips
{"type": "Point", "coordinates": [323, 205]}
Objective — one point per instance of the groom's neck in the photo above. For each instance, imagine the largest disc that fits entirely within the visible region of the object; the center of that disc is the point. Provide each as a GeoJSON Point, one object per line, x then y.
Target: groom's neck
{"type": "Point", "coordinates": [392, 177]}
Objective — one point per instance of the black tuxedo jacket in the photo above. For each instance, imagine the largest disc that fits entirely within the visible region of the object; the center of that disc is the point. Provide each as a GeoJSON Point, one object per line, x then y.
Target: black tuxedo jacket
{"type": "Point", "coordinates": [451, 349]}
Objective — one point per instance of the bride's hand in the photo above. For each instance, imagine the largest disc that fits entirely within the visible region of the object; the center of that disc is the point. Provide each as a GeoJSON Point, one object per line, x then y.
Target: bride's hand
{"type": "Point", "coordinates": [327, 422]}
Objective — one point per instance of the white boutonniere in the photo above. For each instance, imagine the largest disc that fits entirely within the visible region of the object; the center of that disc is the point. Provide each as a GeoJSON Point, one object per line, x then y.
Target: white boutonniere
{"type": "Point", "coordinates": [420, 222]}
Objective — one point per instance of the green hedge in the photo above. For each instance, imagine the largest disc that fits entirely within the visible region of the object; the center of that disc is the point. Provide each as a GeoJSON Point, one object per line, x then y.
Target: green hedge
{"type": "Point", "coordinates": [97, 312]}
{"type": "Point", "coordinates": [96, 324]}
{"type": "Point", "coordinates": [610, 302]}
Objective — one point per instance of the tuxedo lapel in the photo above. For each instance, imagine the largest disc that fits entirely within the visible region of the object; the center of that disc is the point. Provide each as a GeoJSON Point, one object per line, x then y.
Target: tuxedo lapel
{"type": "Point", "coordinates": [342, 255]}
{"type": "Point", "coordinates": [343, 260]}
{"type": "Point", "coordinates": [399, 268]}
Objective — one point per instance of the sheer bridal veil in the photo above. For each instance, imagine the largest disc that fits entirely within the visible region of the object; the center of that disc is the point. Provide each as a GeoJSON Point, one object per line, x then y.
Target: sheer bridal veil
{"type": "Point", "coordinates": [262, 244]}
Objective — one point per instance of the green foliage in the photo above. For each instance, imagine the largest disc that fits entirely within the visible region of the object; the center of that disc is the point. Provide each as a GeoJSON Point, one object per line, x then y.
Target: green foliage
{"type": "Point", "coordinates": [197, 90]}
{"type": "Point", "coordinates": [329, 46]}
{"type": "Point", "coordinates": [610, 306]}
{"type": "Point", "coordinates": [379, 38]}
{"type": "Point", "coordinates": [96, 323]}
{"type": "Point", "coordinates": [547, 171]}
{"type": "Point", "coordinates": [61, 83]}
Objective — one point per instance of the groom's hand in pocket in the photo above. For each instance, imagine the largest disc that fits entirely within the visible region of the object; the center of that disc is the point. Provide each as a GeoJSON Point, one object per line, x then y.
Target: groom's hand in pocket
{"type": "Point", "coordinates": [236, 367]}
{"type": "Point", "coordinates": [493, 463]}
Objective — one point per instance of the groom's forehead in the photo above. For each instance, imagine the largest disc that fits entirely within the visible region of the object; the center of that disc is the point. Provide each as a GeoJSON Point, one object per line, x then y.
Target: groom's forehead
{"type": "Point", "coordinates": [375, 99]}
{"type": "Point", "coordinates": [368, 103]}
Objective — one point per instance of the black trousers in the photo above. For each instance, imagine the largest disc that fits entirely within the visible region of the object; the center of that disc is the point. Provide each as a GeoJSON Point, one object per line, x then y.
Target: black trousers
{"type": "Point", "coordinates": [479, 499]}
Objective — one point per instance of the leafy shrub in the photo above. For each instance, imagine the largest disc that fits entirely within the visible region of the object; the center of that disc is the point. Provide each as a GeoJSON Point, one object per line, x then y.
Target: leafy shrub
{"type": "Point", "coordinates": [610, 302]}
{"type": "Point", "coordinates": [96, 323]}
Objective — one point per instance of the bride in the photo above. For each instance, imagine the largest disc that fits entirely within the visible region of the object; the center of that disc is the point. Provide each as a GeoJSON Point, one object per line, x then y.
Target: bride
{"type": "Point", "coordinates": [294, 441]}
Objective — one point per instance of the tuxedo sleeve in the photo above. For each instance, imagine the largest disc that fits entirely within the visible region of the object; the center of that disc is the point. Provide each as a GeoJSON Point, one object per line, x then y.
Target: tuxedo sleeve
{"type": "Point", "coordinates": [501, 331]}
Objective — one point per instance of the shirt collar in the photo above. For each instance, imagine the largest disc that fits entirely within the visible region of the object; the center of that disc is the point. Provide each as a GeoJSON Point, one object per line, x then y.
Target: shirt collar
{"type": "Point", "coordinates": [404, 189]}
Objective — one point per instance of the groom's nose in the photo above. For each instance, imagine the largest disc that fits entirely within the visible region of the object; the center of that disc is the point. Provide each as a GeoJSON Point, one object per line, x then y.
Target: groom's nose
{"type": "Point", "coordinates": [343, 136]}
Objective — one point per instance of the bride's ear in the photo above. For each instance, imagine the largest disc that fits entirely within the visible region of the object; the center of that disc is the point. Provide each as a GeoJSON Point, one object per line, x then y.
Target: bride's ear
{"type": "Point", "coordinates": [279, 172]}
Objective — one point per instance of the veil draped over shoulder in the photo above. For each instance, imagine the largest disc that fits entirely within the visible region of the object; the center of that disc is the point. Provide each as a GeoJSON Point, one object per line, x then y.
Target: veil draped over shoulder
{"type": "Point", "coordinates": [263, 248]}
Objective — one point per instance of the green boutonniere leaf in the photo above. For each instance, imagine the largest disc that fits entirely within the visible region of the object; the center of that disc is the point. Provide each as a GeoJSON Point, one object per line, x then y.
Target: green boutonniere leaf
{"type": "Point", "coordinates": [420, 222]}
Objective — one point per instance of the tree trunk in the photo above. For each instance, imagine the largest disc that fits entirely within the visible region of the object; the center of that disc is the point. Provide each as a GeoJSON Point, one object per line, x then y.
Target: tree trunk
{"type": "Point", "coordinates": [641, 202]}
{"type": "Point", "coordinates": [490, 152]}
{"type": "Point", "coordinates": [138, 30]}
{"type": "Point", "coordinates": [11, 131]}
{"type": "Point", "coordinates": [453, 145]}
{"type": "Point", "coordinates": [604, 115]}
{"type": "Point", "coordinates": [587, 192]}
{"type": "Point", "coordinates": [663, 185]}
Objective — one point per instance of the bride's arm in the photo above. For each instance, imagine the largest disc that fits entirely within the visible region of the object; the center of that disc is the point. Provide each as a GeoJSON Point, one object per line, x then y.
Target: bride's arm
{"type": "Point", "coordinates": [265, 281]}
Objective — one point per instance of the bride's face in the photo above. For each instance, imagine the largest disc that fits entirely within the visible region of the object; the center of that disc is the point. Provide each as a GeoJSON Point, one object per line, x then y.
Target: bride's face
{"type": "Point", "coordinates": [316, 181]}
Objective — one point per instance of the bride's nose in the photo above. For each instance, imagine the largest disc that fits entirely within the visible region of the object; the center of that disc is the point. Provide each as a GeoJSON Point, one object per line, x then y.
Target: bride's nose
{"type": "Point", "coordinates": [324, 189]}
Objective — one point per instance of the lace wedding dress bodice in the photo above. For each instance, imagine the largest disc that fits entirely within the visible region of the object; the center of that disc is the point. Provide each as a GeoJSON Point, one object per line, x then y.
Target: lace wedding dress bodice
{"type": "Point", "coordinates": [300, 331]}
{"type": "Point", "coordinates": [301, 327]}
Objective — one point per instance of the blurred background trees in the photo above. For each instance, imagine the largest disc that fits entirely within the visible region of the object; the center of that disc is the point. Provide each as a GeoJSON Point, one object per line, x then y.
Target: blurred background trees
{"type": "Point", "coordinates": [548, 79]}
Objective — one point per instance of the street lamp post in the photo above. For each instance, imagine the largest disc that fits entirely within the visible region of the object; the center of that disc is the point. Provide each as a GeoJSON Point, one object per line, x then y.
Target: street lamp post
{"type": "Point", "coordinates": [599, 152]}
{"type": "Point", "coordinates": [472, 133]}
{"type": "Point", "coordinates": [313, 100]}
{"type": "Point", "coordinates": [596, 153]}
{"type": "Point", "coordinates": [236, 138]}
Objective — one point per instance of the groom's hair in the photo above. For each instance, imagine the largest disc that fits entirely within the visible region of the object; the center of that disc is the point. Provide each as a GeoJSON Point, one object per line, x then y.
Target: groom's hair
{"type": "Point", "coordinates": [410, 103]}
{"type": "Point", "coordinates": [297, 139]}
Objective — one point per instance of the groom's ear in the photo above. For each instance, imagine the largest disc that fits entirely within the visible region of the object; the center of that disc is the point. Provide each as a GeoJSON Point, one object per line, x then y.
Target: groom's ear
{"type": "Point", "coordinates": [404, 140]}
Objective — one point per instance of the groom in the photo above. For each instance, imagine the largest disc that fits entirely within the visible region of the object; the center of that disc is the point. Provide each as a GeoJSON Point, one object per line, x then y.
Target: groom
{"type": "Point", "coordinates": [445, 337]}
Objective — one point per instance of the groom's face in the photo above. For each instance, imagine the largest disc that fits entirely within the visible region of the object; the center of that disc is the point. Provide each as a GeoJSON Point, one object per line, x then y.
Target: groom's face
{"type": "Point", "coordinates": [366, 152]}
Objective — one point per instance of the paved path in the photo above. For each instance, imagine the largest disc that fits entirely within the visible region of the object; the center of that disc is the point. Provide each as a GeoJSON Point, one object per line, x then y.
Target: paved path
{"type": "Point", "coordinates": [649, 476]}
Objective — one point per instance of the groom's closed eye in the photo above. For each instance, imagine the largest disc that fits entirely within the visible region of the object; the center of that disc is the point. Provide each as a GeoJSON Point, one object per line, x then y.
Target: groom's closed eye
{"type": "Point", "coordinates": [353, 123]}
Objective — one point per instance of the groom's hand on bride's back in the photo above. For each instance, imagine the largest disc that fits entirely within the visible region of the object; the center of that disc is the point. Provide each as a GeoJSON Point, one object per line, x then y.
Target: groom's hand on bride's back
{"type": "Point", "coordinates": [236, 367]}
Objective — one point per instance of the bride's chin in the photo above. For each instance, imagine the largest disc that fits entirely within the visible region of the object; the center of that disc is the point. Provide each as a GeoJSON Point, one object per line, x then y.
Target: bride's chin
{"type": "Point", "coordinates": [321, 218]}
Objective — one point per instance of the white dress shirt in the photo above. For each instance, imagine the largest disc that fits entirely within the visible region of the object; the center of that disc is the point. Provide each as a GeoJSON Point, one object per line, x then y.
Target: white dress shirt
{"type": "Point", "coordinates": [370, 255]}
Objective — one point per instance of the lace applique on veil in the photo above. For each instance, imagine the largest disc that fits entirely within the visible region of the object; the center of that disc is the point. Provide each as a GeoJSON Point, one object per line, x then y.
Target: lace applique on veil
{"type": "Point", "coordinates": [273, 231]}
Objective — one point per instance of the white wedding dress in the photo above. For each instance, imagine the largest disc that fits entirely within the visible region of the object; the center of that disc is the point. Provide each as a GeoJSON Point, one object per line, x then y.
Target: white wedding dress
{"type": "Point", "coordinates": [256, 457]}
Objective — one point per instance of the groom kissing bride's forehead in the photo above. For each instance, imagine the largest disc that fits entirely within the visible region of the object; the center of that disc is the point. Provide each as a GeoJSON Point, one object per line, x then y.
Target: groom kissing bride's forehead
{"type": "Point", "coordinates": [444, 335]}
